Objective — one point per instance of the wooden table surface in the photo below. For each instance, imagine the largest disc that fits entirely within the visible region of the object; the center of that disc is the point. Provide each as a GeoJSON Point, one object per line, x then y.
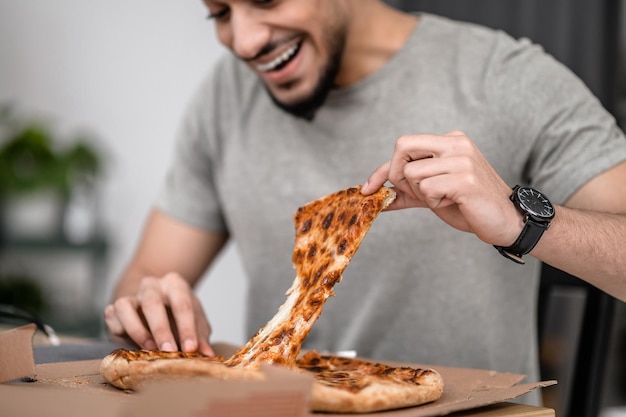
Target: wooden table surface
{"type": "Point", "coordinates": [507, 410]}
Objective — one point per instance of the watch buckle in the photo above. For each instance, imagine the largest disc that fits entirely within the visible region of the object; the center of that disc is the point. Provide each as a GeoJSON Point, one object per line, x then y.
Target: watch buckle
{"type": "Point", "coordinates": [515, 258]}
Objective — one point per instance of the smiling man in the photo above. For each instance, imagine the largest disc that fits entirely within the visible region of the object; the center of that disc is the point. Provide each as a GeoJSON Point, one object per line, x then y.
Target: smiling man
{"type": "Point", "coordinates": [297, 61]}
{"type": "Point", "coordinates": [318, 93]}
{"type": "Point", "coordinates": [302, 49]}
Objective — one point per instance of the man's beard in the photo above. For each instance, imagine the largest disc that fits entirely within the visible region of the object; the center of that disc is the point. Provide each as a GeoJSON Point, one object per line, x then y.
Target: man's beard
{"type": "Point", "coordinates": [308, 106]}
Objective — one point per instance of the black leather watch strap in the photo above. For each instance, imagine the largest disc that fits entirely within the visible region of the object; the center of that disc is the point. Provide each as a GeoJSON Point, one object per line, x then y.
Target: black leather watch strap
{"type": "Point", "coordinates": [531, 233]}
{"type": "Point", "coordinates": [538, 213]}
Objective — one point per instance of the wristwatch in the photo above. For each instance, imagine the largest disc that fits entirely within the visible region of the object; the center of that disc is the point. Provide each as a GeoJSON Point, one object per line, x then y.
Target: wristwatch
{"type": "Point", "coordinates": [538, 213]}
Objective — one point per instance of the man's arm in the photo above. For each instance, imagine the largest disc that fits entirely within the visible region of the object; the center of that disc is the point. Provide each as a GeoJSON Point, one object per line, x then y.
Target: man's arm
{"type": "Point", "coordinates": [450, 176]}
{"type": "Point", "coordinates": [587, 237]}
{"type": "Point", "coordinates": [153, 303]}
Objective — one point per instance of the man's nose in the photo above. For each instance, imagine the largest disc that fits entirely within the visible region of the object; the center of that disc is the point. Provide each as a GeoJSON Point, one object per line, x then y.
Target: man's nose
{"type": "Point", "coordinates": [249, 36]}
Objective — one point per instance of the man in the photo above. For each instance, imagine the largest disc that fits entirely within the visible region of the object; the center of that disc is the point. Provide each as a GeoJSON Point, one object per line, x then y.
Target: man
{"type": "Point", "coordinates": [316, 94]}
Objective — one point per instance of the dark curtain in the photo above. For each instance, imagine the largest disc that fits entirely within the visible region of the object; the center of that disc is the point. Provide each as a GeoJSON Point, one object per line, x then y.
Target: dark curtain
{"type": "Point", "coordinates": [582, 34]}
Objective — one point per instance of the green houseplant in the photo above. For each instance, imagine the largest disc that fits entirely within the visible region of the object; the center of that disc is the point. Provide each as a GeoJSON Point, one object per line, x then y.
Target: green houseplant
{"type": "Point", "coordinates": [37, 171]}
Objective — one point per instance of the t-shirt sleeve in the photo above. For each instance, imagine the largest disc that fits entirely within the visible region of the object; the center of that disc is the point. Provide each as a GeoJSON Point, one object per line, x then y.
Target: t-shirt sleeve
{"type": "Point", "coordinates": [189, 193]}
{"type": "Point", "coordinates": [575, 137]}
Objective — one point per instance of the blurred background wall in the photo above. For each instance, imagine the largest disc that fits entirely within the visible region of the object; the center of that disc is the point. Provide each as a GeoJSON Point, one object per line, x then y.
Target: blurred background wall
{"type": "Point", "coordinates": [124, 71]}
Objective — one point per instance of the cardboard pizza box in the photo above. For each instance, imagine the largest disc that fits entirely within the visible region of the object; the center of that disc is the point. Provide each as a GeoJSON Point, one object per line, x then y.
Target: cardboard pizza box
{"type": "Point", "coordinates": [76, 388]}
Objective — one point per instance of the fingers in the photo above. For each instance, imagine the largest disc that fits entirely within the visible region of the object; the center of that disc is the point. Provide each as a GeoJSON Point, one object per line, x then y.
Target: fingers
{"type": "Point", "coordinates": [415, 161]}
{"type": "Point", "coordinates": [191, 324]}
{"type": "Point", "coordinates": [376, 179]}
{"type": "Point", "coordinates": [448, 174]}
{"type": "Point", "coordinates": [115, 326]}
{"type": "Point", "coordinates": [165, 314]}
{"type": "Point", "coordinates": [435, 171]}
{"type": "Point", "coordinates": [204, 333]}
{"type": "Point", "coordinates": [123, 320]}
{"type": "Point", "coordinates": [153, 302]}
{"type": "Point", "coordinates": [436, 181]}
{"type": "Point", "coordinates": [408, 149]}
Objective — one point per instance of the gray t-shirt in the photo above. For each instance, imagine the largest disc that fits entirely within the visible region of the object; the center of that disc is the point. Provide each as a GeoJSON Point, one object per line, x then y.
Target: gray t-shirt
{"type": "Point", "coordinates": [417, 290]}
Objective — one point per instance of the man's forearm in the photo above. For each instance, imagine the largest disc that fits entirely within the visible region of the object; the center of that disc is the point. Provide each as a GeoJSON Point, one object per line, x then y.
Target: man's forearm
{"type": "Point", "coordinates": [129, 282]}
{"type": "Point", "coordinates": [589, 245]}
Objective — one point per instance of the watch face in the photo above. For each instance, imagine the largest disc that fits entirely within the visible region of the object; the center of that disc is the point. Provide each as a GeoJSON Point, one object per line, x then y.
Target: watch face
{"type": "Point", "coordinates": [535, 203]}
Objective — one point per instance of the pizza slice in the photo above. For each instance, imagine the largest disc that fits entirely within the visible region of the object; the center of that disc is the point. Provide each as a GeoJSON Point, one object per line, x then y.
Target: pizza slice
{"type": "Point", "coordinates": [350, 385]}
{"type": "Point", "coordinates": [328, 232]}
{"type": "Point", "coordinates": [130, 369]}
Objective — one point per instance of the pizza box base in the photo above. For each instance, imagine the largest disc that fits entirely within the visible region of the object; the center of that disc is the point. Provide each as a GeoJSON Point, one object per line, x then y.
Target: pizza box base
{"type": "Point", "coordinates": [76, 389]}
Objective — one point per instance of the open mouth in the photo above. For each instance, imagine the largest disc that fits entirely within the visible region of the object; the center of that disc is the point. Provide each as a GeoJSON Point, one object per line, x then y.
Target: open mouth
{"type": "Point", "coordinates": [280, 61]}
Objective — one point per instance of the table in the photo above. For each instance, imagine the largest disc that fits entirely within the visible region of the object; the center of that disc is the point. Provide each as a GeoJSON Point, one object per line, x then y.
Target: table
{"type": "Point", "coordinates": [507, 410]}
{"type": "Point", "coordinates": [89, 351]}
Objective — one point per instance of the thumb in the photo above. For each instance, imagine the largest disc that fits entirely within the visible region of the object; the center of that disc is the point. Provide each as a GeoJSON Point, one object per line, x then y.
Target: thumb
{"type": "Point", "coordinates": [376, 179]}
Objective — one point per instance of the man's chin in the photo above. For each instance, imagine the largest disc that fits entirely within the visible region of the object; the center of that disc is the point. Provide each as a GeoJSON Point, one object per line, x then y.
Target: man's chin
{"type": "Point", "coordinates": [303, 108]}
{"type": "Point", "coordinates": [309, 101]}
{"type": "Point", "coordinates": [299, 110]}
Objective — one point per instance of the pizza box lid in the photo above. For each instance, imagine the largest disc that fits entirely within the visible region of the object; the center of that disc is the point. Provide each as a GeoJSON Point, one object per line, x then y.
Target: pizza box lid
{"type": "Point", "coordinates": [76, 388]}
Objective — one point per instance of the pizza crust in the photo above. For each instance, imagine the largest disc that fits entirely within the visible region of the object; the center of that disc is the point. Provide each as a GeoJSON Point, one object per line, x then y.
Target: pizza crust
{"type": "Point", "coordinates": [129, 370]}
{"type": "Point", "coordinates": [379, 395]}
{"type": "Point", "coordinates": [352, 385]}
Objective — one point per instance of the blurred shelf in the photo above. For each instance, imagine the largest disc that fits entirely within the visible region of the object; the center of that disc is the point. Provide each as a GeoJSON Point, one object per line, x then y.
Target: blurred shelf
{"type": "Point", "coordinates": [97, 243]}
{"type": "Point", "coordinates": [71, 276]}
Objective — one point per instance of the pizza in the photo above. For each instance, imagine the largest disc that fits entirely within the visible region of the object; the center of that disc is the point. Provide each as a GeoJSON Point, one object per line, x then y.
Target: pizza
{"type": "Point", "coordinates": [328, 232]}
{"type": "Point", "coordinates": [340, 384]}
{"type": "Point", "coordinates": [130, 369]}
{"type": "Point", "coordinates": [350, 385]}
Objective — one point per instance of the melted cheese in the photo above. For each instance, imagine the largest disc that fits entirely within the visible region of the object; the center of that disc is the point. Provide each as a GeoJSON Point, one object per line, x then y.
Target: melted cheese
{"type": "Point", "coordinates": [328, 233]}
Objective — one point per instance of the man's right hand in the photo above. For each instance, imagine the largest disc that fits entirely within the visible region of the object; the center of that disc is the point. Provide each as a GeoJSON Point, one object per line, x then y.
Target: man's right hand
{"type": "Point", "coordinates": [165, 314]}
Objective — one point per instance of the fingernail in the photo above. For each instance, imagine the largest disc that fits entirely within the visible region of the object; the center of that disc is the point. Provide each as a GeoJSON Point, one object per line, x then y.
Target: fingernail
{"type": "Point", "coordinates": [167, 347]}
{"type": "Point", "coordinates": [189, 345]}
{"type": "Point", "coordinates": [150, 345]}
{"type": "Point", "coordinates": [364, 186]}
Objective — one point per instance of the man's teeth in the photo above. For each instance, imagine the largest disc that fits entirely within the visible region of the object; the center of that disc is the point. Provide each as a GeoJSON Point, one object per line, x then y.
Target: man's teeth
{"type": "Point", "coordinates": [278, 60]}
